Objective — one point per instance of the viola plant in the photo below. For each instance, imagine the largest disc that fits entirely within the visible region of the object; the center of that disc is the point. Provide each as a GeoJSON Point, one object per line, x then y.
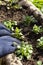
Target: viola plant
{"type": "Point", "coordinates": [24, 50]}
{"type": "Point", "coordinates": [17, 6]}
{"type": "Point", "coordinates": [10, 24]}
{"type": "Point", "coordinates": [12, 1]}
{"type": "Point", "coordinates": [28, 20]}
{"type": "Point", "coordinates": [40, 43]}
{"type": "Point", "coordinates": [37, 29]}
{"type": "Point", "coordinates": [11, 4]}
{"type": "Point", "coordinates": [39, 62]}
{"type": "Point", "coordinates": [17, 33]}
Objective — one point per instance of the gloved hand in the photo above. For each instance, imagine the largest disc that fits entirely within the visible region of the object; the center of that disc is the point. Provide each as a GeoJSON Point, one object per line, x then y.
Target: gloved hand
{"type": "Point", "coordinates": [6, 46]}
{"type": "Point", "coordinates": [6, 42]}
{"type": "Point", "coordinates": [4, 30]}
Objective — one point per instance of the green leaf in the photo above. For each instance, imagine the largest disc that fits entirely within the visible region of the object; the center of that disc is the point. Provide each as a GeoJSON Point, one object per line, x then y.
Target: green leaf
{"type": "Point", "coordinates": [39, 62]}
{"type": "Point", "coordinates": [40, 43]}
{"type": "Point", "coordinates": [10, 24]}
{"type": "Point", "coordinates": [25, 49]}
{"type": "Point", "coordinates": [37, 29]}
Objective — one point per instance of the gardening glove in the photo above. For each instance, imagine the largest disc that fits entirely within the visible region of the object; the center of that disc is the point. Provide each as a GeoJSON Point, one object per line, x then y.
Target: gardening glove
{"type": "Point", "coordinates": [4, 30]}
{"type": "Point", "coordinates": [6, 45]}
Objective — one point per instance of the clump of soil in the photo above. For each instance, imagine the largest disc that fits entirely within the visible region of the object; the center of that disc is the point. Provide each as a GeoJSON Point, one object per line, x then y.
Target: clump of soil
{"type": "Point", "coordinates": [18, 15]}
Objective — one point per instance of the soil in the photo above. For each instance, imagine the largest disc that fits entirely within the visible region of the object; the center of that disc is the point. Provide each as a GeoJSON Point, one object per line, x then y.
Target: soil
{"type": "Point", "coordinates": [18, 15]}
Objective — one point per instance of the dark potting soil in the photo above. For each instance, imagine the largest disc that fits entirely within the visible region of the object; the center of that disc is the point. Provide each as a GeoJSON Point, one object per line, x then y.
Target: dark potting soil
{"type": "Point", "coordinates": [18, 15]}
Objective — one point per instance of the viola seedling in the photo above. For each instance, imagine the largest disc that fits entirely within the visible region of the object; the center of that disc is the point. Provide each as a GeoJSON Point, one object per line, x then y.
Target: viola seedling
{"type": "Point", "coordinates": [40, 43]}
{"type": "Point", "coordinates": [13, 4]}
{"type": "Point", "coordinates": [39, 62]}
{"type": "Point", "coordinates": [37, 29]}
{"type": "Point", "coordinates": [28, 20]}
{"type": "Point", "coordinates": [24, 50]}
{"type": "Point", "coordinates": [18, 34]}
{"type": "Point", "coordinates": [10, 24]}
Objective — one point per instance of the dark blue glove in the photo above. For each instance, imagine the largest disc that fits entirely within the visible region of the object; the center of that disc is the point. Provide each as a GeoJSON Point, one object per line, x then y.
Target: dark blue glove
{"type": "Point", "coordinates": [6, 42]}
{"type": "Point", "coordinates": [4, 30]}
{"type": "Point", "coordinates": [6, 45]}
